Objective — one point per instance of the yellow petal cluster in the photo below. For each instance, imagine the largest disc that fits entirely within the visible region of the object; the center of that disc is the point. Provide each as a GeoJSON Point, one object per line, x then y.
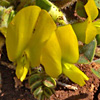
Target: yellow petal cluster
{"type": "Point", "coordinates": [59, 52]}
{"type": "Point", "coordinates": [22, 68]}
{"type": "Point", "coordinates": [74, 74]}
{"type": "Point", "coordinates": [33, 32]}
{"type": "Point", "coordinates": [86, 31]}
{"type": "Point", "coordinates": [20, 30]}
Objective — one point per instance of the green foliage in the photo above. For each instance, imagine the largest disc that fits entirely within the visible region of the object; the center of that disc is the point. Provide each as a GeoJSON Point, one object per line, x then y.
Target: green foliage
{"type": "Point", "coordinates": [6, 14]}
{"type": "Point", "coordinates": [97, 3]}
{"type": "Point", "coordinates": [80, 10]}
{"type": "Point", "coordinates": [87, 30]}
{"type": "Point", "coordinates": [87, 52]}
{"type": "Point", "coordinates": [54, 11]}
{"type": "Point", "coordinates": [96, 72]}
{"type": "Point", "coordinates": [42, 85]}
{"type": "Point", "coordinates": [98, 39]}
{"type": "Point", "coordinates": [97, 61]}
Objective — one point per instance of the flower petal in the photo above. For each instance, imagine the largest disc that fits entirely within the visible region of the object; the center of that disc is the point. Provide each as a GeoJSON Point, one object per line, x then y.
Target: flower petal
{"type": "Point", "coordinates": [51, 57]}
{"type": "Point", "coordinates": [91, 9]}
{"type": "Point", "coordinates": [74, 73]}
{"type": "Point", "coordinates": [86, 31]}
{"type": "Point", "coordinates": [20, 31]}
{"type": "Point", "coordinates": [42, 32]}
{"type": "Point", "coordinates": [68, 43]}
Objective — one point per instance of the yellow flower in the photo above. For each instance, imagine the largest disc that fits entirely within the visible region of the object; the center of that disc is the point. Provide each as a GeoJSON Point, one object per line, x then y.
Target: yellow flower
{"type": "Point", "coordinates": [36, 35]}
{"type": "Point", "coordinates": [22, 67]}
{"type": "Point", "coordinates": [74, 73]}
{"type": "Point", "coordinates": [60, 50]}
{"type": "Point", "coordinates": [27, 33]}
{"type": "Point", "coordinates": [86, 31]}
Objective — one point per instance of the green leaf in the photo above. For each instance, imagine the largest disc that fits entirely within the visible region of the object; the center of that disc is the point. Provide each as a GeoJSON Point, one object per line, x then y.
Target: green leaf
{"type": "Point", "coordinates": [47, 92]}
{"type": "Point", "coordinates": [88, 50]}
{"type": "Point", "coordinates": [80, 8]}
{"type": "Point", "coordinates": [83, 60]}
{"type": "Point", "coordinates": [44, 4]}
{"type": "Point", "coordinates": [54, 11]}
{"type": "Point", "coordinates": [97, 3]}
{"type": "Point", "coordinates": [33, 78]}
{"type": "Point", "coordinates": [35, 85]}
{"type": "Point", "coordinates": [38, 91]}
{"type": "Point", "coordinates": [4, 18]}
{"type": "Point", "coordinates": [97, 73]}
{"type": "Point", "coordinates": [49, 82]}
{"type": "Point", "coordinates": [97, 61]}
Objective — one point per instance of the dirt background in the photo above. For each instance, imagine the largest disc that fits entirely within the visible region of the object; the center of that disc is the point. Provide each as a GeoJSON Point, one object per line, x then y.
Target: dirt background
{"type": "Point", "coordinates": [9, 90]}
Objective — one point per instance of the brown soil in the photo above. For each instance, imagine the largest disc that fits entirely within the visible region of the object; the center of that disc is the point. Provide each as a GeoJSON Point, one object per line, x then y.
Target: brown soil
{"type": "Point", "coordinates": [8, 90]}
{"type": "Point", "coordinates": [91, 91]}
